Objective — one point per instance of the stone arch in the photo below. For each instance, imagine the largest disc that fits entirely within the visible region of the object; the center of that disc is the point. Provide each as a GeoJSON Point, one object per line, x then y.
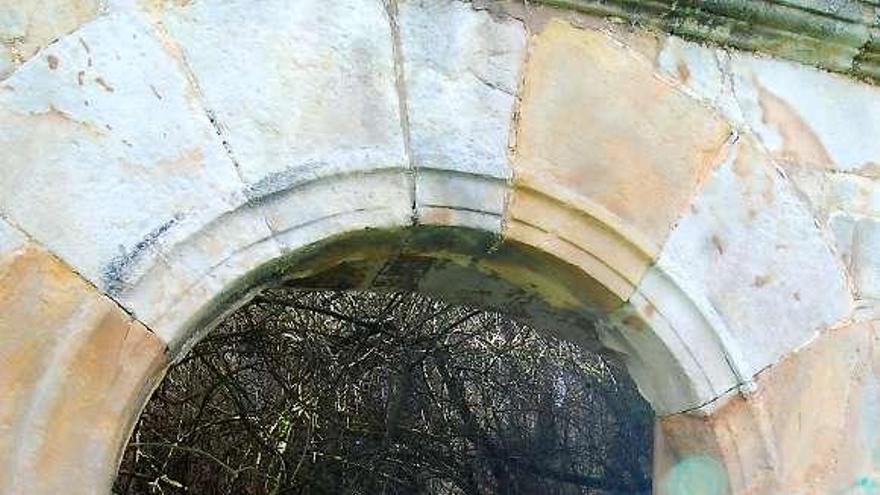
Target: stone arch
{"type": "Point", "coordinates": [551, 162]}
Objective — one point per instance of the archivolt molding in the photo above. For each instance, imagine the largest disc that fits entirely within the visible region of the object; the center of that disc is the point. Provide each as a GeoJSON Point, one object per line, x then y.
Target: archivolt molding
{"type": "Point", "coordinates": [682, 356]}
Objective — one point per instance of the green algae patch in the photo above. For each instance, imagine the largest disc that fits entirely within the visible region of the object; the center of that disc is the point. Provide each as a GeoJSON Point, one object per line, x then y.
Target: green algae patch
{"type": "Point", "coordinates": [835, 36]}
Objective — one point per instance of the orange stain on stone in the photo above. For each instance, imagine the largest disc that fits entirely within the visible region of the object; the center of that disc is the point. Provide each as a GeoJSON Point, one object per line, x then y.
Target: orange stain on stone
{"type": "Point", "coordinates": [612, 131]}
{"type": "Point", "coordinates": [186, 162]}
{"type": "Point", "coordinates": [800, 142]}
{"type": "Point", "coordinates": [91, 366]}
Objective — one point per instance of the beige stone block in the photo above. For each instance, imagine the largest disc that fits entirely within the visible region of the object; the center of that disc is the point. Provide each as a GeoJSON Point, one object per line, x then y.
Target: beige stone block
{"type": "Point", "coordinates": [26, 26]}
{"type": "Point", "coordinates": [104, 384]}
{"type": "Point", "coordinates": [812, 427]}
{"type": "Point", "coordinates": [582, 233]}
{"type": "Point", "coordinates": [74, 373]}
{"type": "Point", "coordinates": [598, 123]}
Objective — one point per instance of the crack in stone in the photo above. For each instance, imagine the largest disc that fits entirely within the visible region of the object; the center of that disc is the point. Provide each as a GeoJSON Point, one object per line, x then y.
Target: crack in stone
{"type": "Point", "coordinates": [391, 10]}
{"type": "Point", "coordinates": [490, 84]}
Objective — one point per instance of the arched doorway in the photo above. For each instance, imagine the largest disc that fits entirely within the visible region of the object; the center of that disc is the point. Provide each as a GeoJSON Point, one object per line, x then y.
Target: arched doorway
{"type": "Point", "coordinates": [600, 194]}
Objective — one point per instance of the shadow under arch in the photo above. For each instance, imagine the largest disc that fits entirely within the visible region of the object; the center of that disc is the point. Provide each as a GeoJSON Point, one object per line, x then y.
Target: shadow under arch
{"type": "Point", "coordinates": [672, 350]}
{"type": "Point", "coordinates": [478, 268]}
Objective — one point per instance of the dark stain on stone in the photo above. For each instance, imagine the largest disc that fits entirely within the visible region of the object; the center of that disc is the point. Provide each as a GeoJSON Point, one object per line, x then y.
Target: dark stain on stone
{"type": "Point", "coordinates": [114, 274]}
{"type": "Point", "coordinates": [632, 322]}
{"type": "Point", "coordinates": [796, 296]}
{"type": "Point", "coordinates": [53, 62]}
{"type": "Point", "coordinates": [80, 76]}
{"type": "Point", "coordinates": [761, 280]}
{"type": "Point", "coordinates": [155, 91]}
{"type": "Point", "coordinates": [101, 82]}
{"type": "Point", "coordinates": [683, 72]}
{"type": "Point", "coordinates": [716, 241]}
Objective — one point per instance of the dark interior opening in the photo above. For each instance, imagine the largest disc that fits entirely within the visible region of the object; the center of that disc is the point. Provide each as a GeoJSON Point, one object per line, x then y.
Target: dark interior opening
{"type": "Point", "coordinates": [341, 392]}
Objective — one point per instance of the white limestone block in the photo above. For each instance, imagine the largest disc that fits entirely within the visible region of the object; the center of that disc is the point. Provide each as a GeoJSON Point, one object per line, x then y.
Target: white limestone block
{"type": "Point", "coordinates": [802, 115]}
{"type": "Point", "coordinates": [451, 198]}
{"type": "Point", "coordinates": [701, 70]}
{"type": "Point", "coordinates": [809, 117]}
{"type": "Point", "coordinates": [462, 71]}
{"type": "Point", "coordinates": [851, 194]}
{"type": "Point", "coordinates": [853, 206]}
{"type": "Point", "coordinates": [865, 263]}
{"type": "Point", "coordinates": [180, 322]}
{"type": "Point", "coordinates": [750, 252]}
{"type": "Point", "coordinates": [115, 160]}
{"type": "Point", "coordinates": [299, 90]}
{"type": "Point", "coordinates": [685, 360]}
{"type": "Point", "coordinates": [228, 247]}
{"type": "Point", "coordinates": [339, 204]}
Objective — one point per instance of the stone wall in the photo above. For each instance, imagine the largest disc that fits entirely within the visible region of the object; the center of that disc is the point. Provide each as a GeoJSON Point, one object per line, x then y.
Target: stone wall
{"type": "Point", "coordinates": [711, 217]}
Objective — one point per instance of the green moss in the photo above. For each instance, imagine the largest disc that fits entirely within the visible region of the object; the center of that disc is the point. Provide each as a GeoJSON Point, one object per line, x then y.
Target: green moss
{"type": "Point", "coordinates": [510, 277]}
{"type": "Point", "coordinates": [835, 36]}
{"type": "Point", "coordinates": [310, 263]}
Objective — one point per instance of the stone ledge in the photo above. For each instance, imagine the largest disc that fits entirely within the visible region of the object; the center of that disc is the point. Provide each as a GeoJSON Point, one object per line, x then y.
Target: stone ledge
{"type": "Point", "coordinates": [841, 37]}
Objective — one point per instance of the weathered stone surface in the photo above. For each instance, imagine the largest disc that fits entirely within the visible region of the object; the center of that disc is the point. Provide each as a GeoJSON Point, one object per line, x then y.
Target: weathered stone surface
{"type": "Point", "coordinates": [583, 234]}
{"type": "Point", "coordinates": [324, 208]}
{"type": "Point", "coordinates": [462, 70]}
{"type": "Point", "coordinates": [865, 258]}
{"type": "Point", "coordinates": [851, 194]}
{"type": "Point", "coordinates": [74, 371]}
{"type": "Point", "coordinates": [808, 117]}
{"type": "Point", "coordinates": [462, 199]}
{"type": "Point", "coordinates": [307, 89]}
{"type": "Point", "coordinates": [10, 239]}
{"type": "Point", "coordinates": [677, 351]}
{"type": "Point", "coordinates": [309, 110]}
{"type": "Point", "coordinates": [836, 35]}
{"type": "Point", "coordinates": [595, 123]}
{"type": "Point", "coordinates": [244, 240]}
{"type": "Point", "coordinates": [749, 251]}
{"type": "Point", "coordinates": [26, 26]}
{"type": "Point", "coordinates": [815, 125]}
{"type": "Point", "coordinates": [115, 159]}
{"type": "Point", "coordinates": [704, 71]}
{"type": "Point", "coordinates": [852, 205]}
{"type": "Point", "coordinates": [180, 165]}
{"type": "Point", "coordinates": [805, 117]}
{"type": "Point", "coordinates": [813, 426]}
{"type": "Point", "coordinates": [187, 277]}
